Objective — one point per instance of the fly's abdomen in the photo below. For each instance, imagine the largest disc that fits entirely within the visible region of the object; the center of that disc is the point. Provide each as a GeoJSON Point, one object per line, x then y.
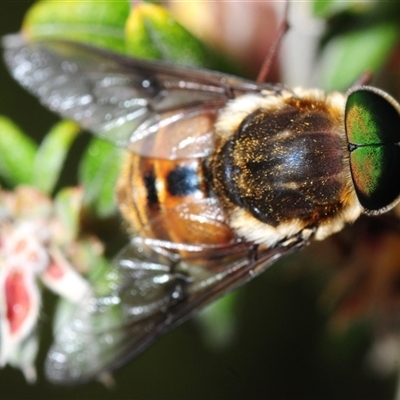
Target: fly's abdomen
{"type": "Point", "coordinates": [168, 200]}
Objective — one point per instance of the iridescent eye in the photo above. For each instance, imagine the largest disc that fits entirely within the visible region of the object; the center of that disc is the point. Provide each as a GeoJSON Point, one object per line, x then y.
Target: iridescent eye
{"type": "Point", "coordinates": [372, 124]}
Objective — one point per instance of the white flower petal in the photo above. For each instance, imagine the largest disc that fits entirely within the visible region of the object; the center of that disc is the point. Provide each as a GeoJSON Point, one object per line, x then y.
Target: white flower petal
{"type": "Point", "coordinates": [63, 279]}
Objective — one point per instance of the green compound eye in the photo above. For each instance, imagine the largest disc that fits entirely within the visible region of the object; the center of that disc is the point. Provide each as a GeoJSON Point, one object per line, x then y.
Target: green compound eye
{"type": "Point", "coordinates": [372, 124]}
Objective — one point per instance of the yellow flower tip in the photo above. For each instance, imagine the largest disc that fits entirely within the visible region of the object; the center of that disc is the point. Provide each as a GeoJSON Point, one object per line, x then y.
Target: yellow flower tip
{"type": "Point", "coordinates": [152, 11]}
{"type": "Point", "coordinates": [200, 18]}
{"type": "Point", "coordinates": [146, 12]}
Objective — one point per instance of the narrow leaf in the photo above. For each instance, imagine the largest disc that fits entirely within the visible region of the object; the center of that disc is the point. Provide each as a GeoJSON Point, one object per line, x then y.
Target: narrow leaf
{"type": "Point", "coordinates": [348, 56]}
{"type": "Point", "coordinates": [17, 152]}
{"type": "Point", "coordinates": [51, 155]}
{"type": "Point", "coordinates": [328, 8]}
{"type": "Point", "coordinates": [68, 204]}
{"type": "Point", "coordinates": [218, 322]}
{"type": "Point", "coordinates": [151, 32]}
{"type": "Point", "coordinates": [97, 22]}
{"type": "Point", "coordinates": [99, 172]}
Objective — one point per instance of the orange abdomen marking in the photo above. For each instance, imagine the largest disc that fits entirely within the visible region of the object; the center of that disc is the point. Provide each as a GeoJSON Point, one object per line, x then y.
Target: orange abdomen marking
{"type": "Point", "coordinates": [167, 200]}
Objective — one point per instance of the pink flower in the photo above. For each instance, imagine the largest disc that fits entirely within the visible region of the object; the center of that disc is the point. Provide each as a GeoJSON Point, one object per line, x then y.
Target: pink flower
{"type": "Point", "coordinates": [38, 242]}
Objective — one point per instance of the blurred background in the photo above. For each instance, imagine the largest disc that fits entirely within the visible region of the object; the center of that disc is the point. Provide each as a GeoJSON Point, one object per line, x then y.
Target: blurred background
{"type": "Point", "coordinates": [314, 326]}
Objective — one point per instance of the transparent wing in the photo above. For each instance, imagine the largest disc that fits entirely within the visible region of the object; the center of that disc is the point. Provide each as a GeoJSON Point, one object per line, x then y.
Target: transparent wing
{"type": "Point", "coordinates": [122, 99]}
{"type": "Point", "coordinates": [149, 290]}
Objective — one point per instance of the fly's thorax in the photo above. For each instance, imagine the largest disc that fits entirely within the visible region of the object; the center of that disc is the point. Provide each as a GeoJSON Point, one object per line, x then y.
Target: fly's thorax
{"type": "Point", "coordinates": [282, 167]}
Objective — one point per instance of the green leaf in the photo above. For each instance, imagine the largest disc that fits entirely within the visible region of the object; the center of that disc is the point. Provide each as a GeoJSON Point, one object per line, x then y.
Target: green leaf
{"type": "Point", "coordinates": [328, 8]}
{"type": "Point", "coordinates": [151, 32]}
{"type": "Point", "coordinates": [51, 155]}
{"type": "Point", "coordinates": [218, 321]}
{"type": "Point", "coordinates": [96, 22]}
{"type": "Point", "coordinates": [323, 8]}
{"type": "Point", "coordinates": [347, 57]}
{"type": "Point", "coordinates": [99, 172]}
{"type": "Point", "coordinates": [17, 154]}
{"type": "Point", "coordinates": [68, 202]}
{"type": "Point", "coordinates": [104, 276]}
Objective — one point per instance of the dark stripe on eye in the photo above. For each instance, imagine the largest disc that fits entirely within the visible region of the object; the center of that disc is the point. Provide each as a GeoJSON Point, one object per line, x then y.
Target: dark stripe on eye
{"type": "Point", "coordinates": [182, 181]}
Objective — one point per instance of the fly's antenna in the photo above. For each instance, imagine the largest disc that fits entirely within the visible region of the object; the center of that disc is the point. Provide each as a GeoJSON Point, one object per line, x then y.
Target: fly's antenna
{"type": "Point", "coordinates": [271, 55]}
